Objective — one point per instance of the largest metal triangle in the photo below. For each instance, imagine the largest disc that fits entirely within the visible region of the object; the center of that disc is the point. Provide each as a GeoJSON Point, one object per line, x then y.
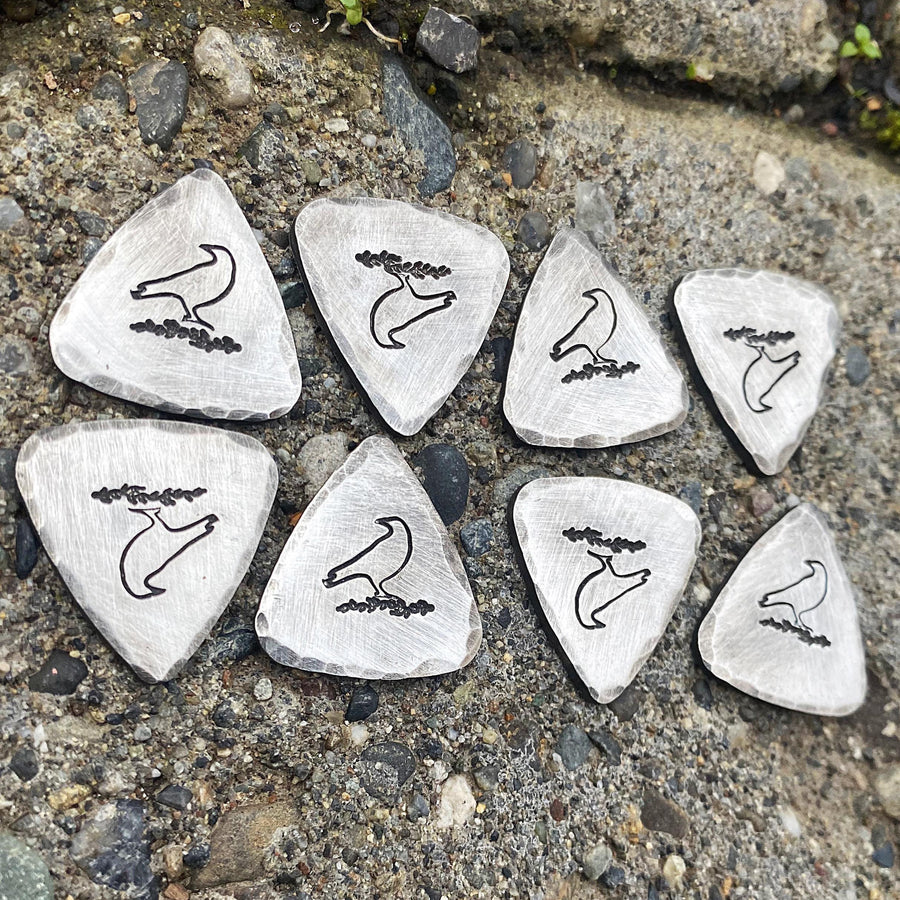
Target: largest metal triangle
{"type": "Point", "coordinates": [785, 628]}
{"type": "Point", "coordinates": [369, 584]}
{"type": "Point", "coordinates": [407, 293]}
{"type": "Point", "coordinates": [180, 311]}
{"type": "Point", "coordinates": [152, 526]}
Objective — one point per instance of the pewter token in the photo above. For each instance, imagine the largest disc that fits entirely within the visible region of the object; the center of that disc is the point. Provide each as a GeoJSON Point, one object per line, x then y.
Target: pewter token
{"type": "Point", "coordinates": [762, 342]}
{"type": "Point", "coordinates": [785, 628]}
{"type": "Point", "coordinates": [408, 294]}
{"type": "Point", "coordinates": [609, 561]}
{"type": "Point", "coordinates": [587, 370]}
{"type": "Point", "coordinates": [369, 584]}
{"type": "Point", "coordinates": [179, 311]}
{"type": "Point", "coordinates": [152, 526]}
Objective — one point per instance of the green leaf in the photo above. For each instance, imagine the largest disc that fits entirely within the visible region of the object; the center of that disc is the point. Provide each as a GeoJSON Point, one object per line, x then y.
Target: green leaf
{"type": "Point", "coordinates": [691, 73]}
{"type": "Point", "coordinates": [871, 49]}
{"type": "Point", "coordinates": [354, 16]}
{"type": "Point", "coordinates": [848, 48]}
{"type": "Point", "coordinates": [862, 33]}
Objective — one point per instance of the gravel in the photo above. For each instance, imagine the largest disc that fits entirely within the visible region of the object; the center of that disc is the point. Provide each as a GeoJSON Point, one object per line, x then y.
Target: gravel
{"type": "Point", "coordinates": [477, 537]}
{"type": "Point", "coordinates": [857, 365]}
{"type": "Point", "coordinates": [449, 40]}
{"type": "Point", "coordinates": [534, 231]}
{"type": "Point", "coordinates": [445, 475]}
{"type": "Point", "coordinates": [10, 212]}
{"type": "Point", "coordinates": [574, 747]}
{"type": "Point", "coordinates": [60, 674]}
{"type": "Point", "coordinates": [520, 161]}
{"type": "Point", "coordinates": [27, 547]}
{"type": "Point", "coordinates": [363, 703]}
{"type": "Point", "coordinates": [660, 814]}
{"type": "Point", "coordinates": [596, 861]}
{"type": "Point", "coordinates": [110, 87]}
{"type": "Point", "coordinates": [222, 68]}
{"type": "Point", "coordinates": [160, 89]}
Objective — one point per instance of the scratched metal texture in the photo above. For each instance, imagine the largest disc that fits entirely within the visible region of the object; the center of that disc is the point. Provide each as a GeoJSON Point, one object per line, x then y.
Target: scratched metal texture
{"type": "Point", "coordinates": [406, 385]}
{"type": "Point", "coordinates": [298, 623]}
{"type": "Point", "coordinates": [775, 665]}
{"type": "Point", "coordinates": [600, 411]}
{"type": "Point", "coordinates": [606, 659]}
{"type": "Point", "coordinates": [709, 302]}
{"type": "Point", "coordinates": [59, 468]}
{"type": "Point", "coordinates": [92, 342]}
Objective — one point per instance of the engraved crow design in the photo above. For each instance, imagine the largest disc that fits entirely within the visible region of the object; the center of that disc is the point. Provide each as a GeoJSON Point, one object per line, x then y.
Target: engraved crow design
{"type": "Point", "coordinates": [602, 588]}
{"type": "Point", "coordinates": [148, 553]}
{"type": "Point", "coordinates": [380, 561]}
{"type": "Point", "coordinates": [803, 595]}
{"type": "Point", "coordinates": [763, 374]}
{"type": "Point", "coordinates": [196, 287]}
{"type": "Point", "coordinates": [592, 331]}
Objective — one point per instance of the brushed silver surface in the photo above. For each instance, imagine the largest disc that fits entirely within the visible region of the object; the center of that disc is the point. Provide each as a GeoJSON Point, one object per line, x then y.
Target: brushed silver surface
{"type": "Point", "coordinates": [152, 526]}
{"type": "Point", "coordinates": [609, 561]}
{"type": "Point", "coordinates": [762, 342]}
{"type": "Point", "coordinates": [369, 584]}
{"type": "Point", "coordinates": [407, 293]}
{"type": "Point", "coordinates": [179, 311]}
{"type": "Point", "coordinates": [587, 369]}
{"type": "Point", "coordinates": [785, 627]}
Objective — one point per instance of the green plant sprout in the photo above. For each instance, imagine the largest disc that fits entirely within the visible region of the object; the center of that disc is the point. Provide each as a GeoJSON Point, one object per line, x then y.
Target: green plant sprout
{"type": "Point", "coordinates": [354, 12]}
{"type": "Point", "coordinates": [861, 44]}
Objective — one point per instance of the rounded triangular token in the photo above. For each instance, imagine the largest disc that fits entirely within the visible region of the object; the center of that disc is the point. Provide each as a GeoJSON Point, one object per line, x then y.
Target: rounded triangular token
{"type": "Point", "coordinates": [369, 584]}
{"type": "Point", "coordinates": [609, 561]}
{"type": "Point", "coordinates": [407, 293]}
{"type": "Point", "coordinates": [762, 342]}
{"type": "Point", "coordinates": [784, 628]}
{"type": "Point", "coordinates": [152, 526]}
{"type": "Point", "coordinates": [179, 311]}
{"type": "Point", "coordinates": [587, 370]}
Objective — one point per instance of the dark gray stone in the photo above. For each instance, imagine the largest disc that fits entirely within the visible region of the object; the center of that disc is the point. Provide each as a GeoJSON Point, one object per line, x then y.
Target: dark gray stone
{"type": "Point", "coordinates": [90, 223]}
{"type": "Point", "coordinates": [420, 124]}
{"type": "Point", "coordinates": [487, 778]}
{"type": "Point", "coordinates": [520, 160]}
{"type": "Point", "coordinates": [27, 546]}
{"type": "Point", "coordinates": [502, 347]}
{"type": "Point", "coordinates": [16, 357]}
{"type": "Point", "coordinates": [477, 537]}
{"type": "Point", "coordinates": [450, 41]}
{"type": "Point", "coordinates": [236, 641]}
{"type": "Point", "coordinates": [703, 693]}
{"type": "Point", "coordinates": [363, 702]}
{"type": "Point", "coordinates": [608, 744]}
{"type": "Point", "coordinates": [884, 855]}
{"type": "Point", "coordinates": [858, 366]}
{"type": "Point", "coordinates": [91, 249]}
{"type": "Point", "coordinates": [160, 89]}
{"type": "Point", "coordinates": [613, 877]}
{"type": "Point", "coordinates": [175, 796]}
{"type": "Point", "coordinates": [692, 494]}
{"type": "Point", "coordinates": [60, 674]}
{"type": "Point", "coordinates": [197, 857]}
{"type": "Point", "coordinates": [112, 849]}
{"type": "Point", "coordinates": [23, 872]}
{"type": "Point", "coordinates": [385, 768]}
{"type": "Point", "coordinates": [263, 147]}
{"type": "Point", "coordinates": [418, 808]}
{"type": "Point", "coordinates": [223, 715]}
{"type": "Point", "coordinates": [25, 764]}
{"type": "Point", "coordinates": [446, 477]}
{"type": "Point", "coordinates": [534, 230]}
{"type": "Point", "coordinates": [574, 747]}
{"type": "Point", "coordinates": [660, 814]}
{"type": "Point", "coordinates": [8, 457]}
{"type": "Point", "coordinates": [293, 294]}
{"type": "Point", "coordinates": [626, 704]}
{"type": "Point", "coordinates": [109, 87]}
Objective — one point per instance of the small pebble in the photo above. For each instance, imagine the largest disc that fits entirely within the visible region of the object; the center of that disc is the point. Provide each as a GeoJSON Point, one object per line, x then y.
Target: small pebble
{"type": "Point", "coordinates": [175, 796]}
{"type": "Point", "coordinates": [520, 160]}
{"type": "Point", "coordinates": [673, 871]}
{"type": "Point", "coordinates": [363, 702]}
{"type": "Point", "coordinates": [445, 474]}
{"type": "Point", "coordinates": [450, 41]}
{"type": "Point", "coordinates": [574, 747]}
{"type": "Point", "coordinates": [596, 861]}
{"type": "Point", "coordinates": [456, 805]}
{"type": "Point", "coordinates": [594, 214]}
{"type": "Point", "coordinates": [477, 537]}
{"type": "Point", "coordinates": [262, 690]}
{"type": "Point", "coordinates": [660, 814]}
{"type": "Point", "coordinates": [857, 365]}
{"type": "Point", "coordinates": [534, 230]}
{"type": "Point", "coordinates": [884, 855]}
{"type": "Point", "coordinates": [27, 546]}
{"type": "Point", "coordinates": [761, 501]}
{"type": "Point", "coordinates": [60, 674]}
{"type": "Point", "coordinates": [10, 212]}
{"type": "Point", "coordinates": [24, 764]}
{"type": "Point", "coordinates": [768, 173]}
{"type": "Point", "coordinates": [142, 733]}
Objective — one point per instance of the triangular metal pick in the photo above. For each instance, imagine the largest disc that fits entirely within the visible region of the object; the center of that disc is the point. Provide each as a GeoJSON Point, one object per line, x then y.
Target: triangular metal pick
{"type": "Point", "coordinates": [152, 526]}
{"type": "Point", "coordinates": [609, 561]}
{"type": "Point", "coordinates": [762, 342]}
{"type": "Point", "coordinates": [784, 628]}
{"type": "Point", "coordinates": [179, 311]}
{"type": "Point", "coordinates": [369, 584]}
{"type": "Point", "coordinates": [407, 293]}
{"type": "Point", "coordinates": [587, 369]}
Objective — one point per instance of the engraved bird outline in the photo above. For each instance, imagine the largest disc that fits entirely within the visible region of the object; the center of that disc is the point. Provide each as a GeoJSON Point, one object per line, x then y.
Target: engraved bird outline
{"type": "Point", "coordinates": [592, 331]}
{"type": "Point", "coordinates": [603, 587]}
{"type": "Point", "coordinates": [380, 561]}
{"type": "Point", "coordinates": [151, 545]}
{"type": "Point", "coordinates": [206, 282]}
{"type": "Point", "coordinates": [763, 373]}
{"type": "Point", "coordinates": [801, 596]}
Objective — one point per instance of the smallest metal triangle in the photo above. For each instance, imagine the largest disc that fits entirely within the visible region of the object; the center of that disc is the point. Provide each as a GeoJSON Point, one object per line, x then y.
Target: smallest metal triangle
{"type": "Point", "coordinates": [369, 584]}
{"type": "Point", "coordinates": [587, 369]}
{"type": "Point", "coordinates": [785, 627]}
{"type": "Point", "coordinates": [609, 561]}
{"type": "Point", "coordinates": [763, 342]}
